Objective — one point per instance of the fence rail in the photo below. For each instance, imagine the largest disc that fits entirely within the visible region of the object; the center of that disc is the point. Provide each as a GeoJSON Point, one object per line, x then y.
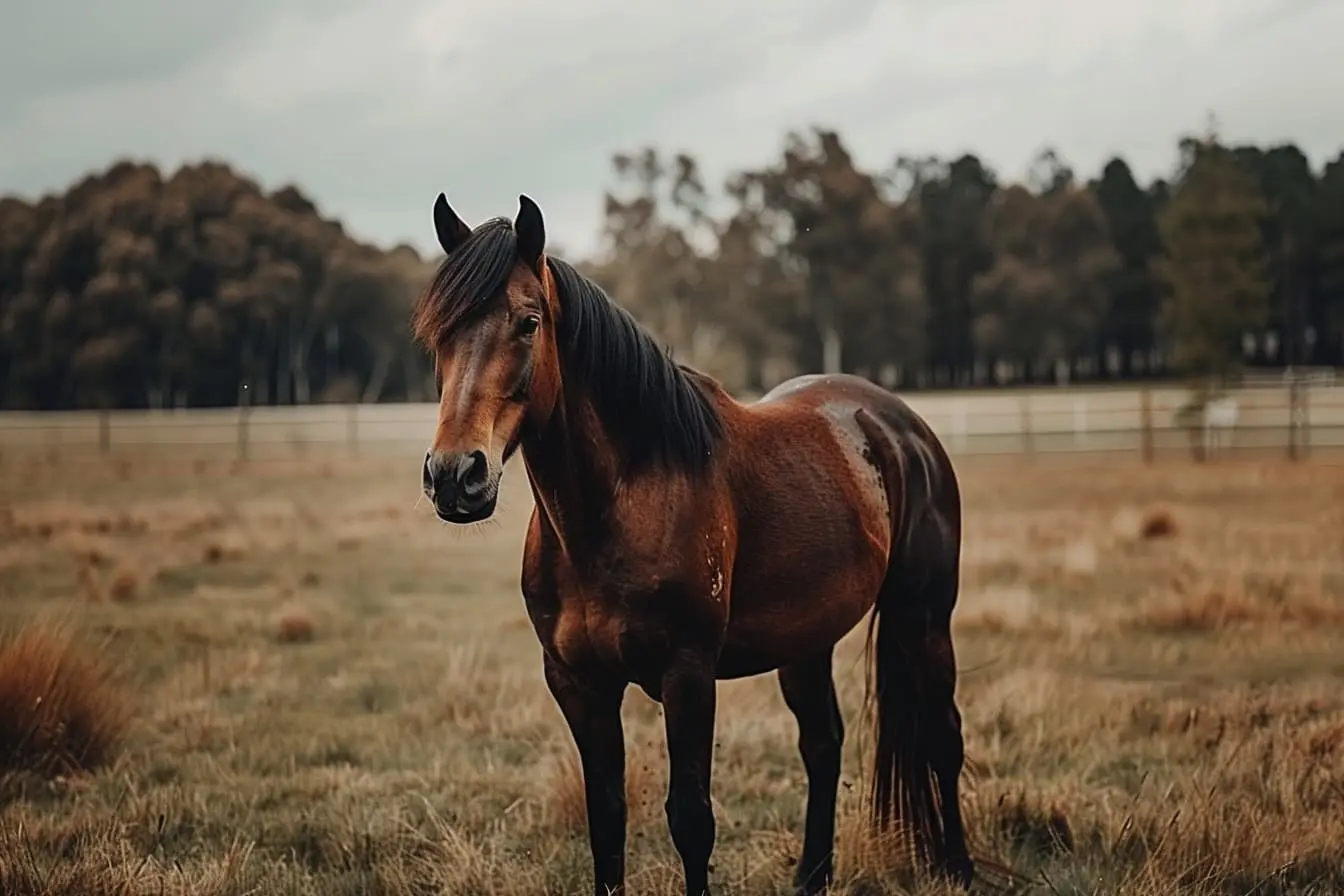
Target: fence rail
{"type": "Point", "coordinates": [1138, 420]}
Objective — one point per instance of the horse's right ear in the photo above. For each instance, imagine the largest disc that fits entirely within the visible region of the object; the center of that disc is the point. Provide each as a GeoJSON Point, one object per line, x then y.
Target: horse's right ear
{"type": "Point", "coordinates": [531, 230]}
{"type": "Point", "coordinates": [451, 230]}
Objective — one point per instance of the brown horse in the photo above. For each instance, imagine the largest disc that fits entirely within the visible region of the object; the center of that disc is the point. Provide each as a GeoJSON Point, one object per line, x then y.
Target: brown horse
{"type": "Point", "coordinates": [679, 537]}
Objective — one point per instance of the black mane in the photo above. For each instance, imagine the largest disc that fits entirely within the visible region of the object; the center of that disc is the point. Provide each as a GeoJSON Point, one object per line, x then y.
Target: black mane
{"type": "Point", "coordinates": [653, 407]}
{"type": "Point", "coordinates": [466, 281]}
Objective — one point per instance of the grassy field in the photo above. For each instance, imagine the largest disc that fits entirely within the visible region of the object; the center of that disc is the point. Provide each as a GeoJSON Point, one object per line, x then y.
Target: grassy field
{"type": "Point", "coordinates": [321, 690]}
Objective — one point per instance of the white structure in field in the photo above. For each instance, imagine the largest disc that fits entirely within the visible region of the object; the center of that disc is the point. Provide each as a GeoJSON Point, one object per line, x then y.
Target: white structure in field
{"type": "Point", "coordinates": [1219, 423]}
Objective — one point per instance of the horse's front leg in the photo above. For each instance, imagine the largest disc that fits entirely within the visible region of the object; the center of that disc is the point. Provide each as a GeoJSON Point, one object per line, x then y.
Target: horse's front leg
{"type": "Point", "coordinates": [688, 692]}
{"type": "Point", "coordinates": [593, 711]}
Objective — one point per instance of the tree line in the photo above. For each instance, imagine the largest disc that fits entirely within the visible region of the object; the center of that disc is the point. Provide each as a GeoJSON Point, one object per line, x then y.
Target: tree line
{"type": "Point", "coordinates": [934, 273]}
{"type": "Point", "coordinates": [198, 289]}
{"type": "Point", "coordinates": [137, 289]}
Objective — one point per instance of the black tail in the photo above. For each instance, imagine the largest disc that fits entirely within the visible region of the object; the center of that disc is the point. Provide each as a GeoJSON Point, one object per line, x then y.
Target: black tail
{"type": "Point", "coordinates": [919, 754]}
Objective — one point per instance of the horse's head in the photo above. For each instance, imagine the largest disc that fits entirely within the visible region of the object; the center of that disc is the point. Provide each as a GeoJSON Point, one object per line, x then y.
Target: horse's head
{"type": "Point", "coordinates": [489, 317]}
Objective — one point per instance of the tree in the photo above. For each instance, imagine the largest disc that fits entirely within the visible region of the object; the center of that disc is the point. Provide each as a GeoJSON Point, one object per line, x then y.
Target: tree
{"type": "Point", "coordinates": [1049, 173]}
{"type": "Point", "coordinates": [853, 250]}
{"type": "Point", "coordinates": [953, 253]}
{"type": "Point", "coordinates": [1042, 300]}
{"type": "Point", "coordinates": [1126, 331]}
{"type": "Point", "coordinates": [137, 290]}
{"type": "Point", "coordinates": [1327, 318]}
{"type": "Point", "coordinates": [654, 226]}
{"type": "Point", "coordinates": [1214, 267]}
{"type": "Point", "coordinates": [757, 293]}
{"type": "Point", "coordinates": [145, 288]}
{"type": "Point", "coordinates": [1284, 177]}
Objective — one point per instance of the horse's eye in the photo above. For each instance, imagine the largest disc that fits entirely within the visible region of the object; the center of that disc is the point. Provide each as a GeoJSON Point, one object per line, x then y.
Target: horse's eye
{"type": "Point", "coordinates": [529, 325]}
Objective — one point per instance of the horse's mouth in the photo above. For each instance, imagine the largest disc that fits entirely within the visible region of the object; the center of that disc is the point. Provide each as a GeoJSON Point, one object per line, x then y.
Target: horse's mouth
{"type": "Point", "coordinates": [461, 517]}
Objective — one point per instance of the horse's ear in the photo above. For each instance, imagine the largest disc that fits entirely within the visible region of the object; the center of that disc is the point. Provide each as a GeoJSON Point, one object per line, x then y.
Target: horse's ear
{"type": "Point", "coordinates": [451, 230]}
{"type": "Point", "coordinates": [531, 232]}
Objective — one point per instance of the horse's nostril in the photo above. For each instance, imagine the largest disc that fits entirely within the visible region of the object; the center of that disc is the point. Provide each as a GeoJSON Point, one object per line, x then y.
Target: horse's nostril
{"type": "Point", "coordinates": [472, 473]}
{"type": "Point", "coordinates": [479, 468]}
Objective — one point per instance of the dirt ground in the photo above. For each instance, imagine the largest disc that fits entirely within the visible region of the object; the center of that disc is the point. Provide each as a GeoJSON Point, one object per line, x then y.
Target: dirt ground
{"type": "Point", "coordinates": [325, 691]}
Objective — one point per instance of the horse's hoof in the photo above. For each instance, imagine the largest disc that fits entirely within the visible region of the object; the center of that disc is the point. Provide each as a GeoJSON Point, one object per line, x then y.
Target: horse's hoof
{"type": "Point", "coordinates": [962, 875]}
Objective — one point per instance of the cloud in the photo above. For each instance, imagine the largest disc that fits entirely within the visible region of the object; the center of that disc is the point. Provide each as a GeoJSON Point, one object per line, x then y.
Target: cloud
{"type": "Point", "coordinates": [373, 107]}
{"type": "Point", "coordinates": [1005, 79]}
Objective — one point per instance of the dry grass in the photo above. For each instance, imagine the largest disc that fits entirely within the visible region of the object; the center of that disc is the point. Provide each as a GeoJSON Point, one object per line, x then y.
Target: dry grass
{"type": "Point", "coordinates": [124, 584]}
{"type": "Point", "coordinates": [1138, 524]}
{"type": "Point", "coordinates": [645, 785]}
{"type": "Point", "coordinates": [61, 710]}
{"type": "Point", "coordinates": [1158, 523]}
{"type": "Point", "coordinates": [295, 626]}
{"type": "Point", "coordinates": [1241, 601]}
{"type": "Point", "coordinates": [337, 695]}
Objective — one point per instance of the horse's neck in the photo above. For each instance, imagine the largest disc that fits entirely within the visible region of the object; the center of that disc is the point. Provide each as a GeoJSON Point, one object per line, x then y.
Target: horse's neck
{"type": "Point", "coordinates": [573, 465]}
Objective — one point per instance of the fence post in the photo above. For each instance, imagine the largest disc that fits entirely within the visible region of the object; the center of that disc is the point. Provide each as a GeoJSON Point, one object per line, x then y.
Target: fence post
{"type": "Point", "coordinates": [1297, 412]}
{"type": "Point", "coordinates": [352, 428]}
{"type": "Point", "coordinates": [959, 439]}
{"type": "Point", "coordinates": [1146, 424]}
{"type": "Point", "coordinates": [104, 431]}
{"type": "Point", "coordinates": [1306, 421]}
{"type": "Point", "coordinates": [1028, 439]}
{"type": "Point", "coordinates": [243, 413]}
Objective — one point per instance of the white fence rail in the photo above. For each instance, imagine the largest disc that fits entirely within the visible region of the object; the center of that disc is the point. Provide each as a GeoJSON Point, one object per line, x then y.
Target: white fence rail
{"type": "Point", "coordinates": [1139, 420]}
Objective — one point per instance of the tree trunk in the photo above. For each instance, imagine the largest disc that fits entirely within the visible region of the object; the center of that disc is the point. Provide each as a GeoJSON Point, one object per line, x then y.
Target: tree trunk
{"type": "Point", "coordinates": [298, 369]}
{"type": "Point", "coordinates": [378, 377]}
{"type": "Point", "coordinates": [409, 372]}
{"type": "Point", "coordinates": [284, 366]}
{"type": "Point", "coordinates": [754, 363]}
{"type": "Point", "coordinates": [330, 359]}
{"type": "Point", "coordinates": [831, 349]}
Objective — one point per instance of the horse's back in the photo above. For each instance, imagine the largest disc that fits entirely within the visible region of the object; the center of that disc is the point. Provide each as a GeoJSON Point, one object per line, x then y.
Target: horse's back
{"type": "Point", "coordinates": [837, 398]}
{"type": "Point", "coordinates": [914, 471]}
{"type": "Point", "coordinates": [819, 493]}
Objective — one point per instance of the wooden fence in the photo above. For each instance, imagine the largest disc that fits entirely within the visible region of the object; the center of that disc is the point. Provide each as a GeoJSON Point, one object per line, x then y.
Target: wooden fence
{"type": "Point", "coordinates": [1141, 421]}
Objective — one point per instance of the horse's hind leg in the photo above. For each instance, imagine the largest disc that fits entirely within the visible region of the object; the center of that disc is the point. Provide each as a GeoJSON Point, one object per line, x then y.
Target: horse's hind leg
{"type": "Point", "coordinates": [809, 692]}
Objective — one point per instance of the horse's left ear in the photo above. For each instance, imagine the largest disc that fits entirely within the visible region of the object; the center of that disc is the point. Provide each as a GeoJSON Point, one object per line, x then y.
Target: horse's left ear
{"type": "Point", "coordinates": [451, 230]}
{"type": "Point", "coordinates": [531, 232]}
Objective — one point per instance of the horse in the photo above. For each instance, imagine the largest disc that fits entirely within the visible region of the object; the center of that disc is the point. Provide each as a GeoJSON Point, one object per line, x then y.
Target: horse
{"type": "Point", "coordinates": [679, 537]}
{"type": "Point", "coordinates": [1219, 422]}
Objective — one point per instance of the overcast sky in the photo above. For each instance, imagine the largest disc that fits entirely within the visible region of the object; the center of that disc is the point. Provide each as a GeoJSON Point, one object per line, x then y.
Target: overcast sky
{"type": "Point", "coordinates": [373, 106]}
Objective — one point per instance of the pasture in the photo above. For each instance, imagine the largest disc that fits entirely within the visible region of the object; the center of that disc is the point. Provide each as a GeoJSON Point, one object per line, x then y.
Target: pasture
{"type": "Point", "coordinates": [313, 687]}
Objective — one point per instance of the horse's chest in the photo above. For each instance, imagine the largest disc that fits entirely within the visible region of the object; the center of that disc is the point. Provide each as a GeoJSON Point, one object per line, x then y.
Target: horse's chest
{"type": "Point", "coordinates": [623, 611]}
{"type": "Point", "coordinates": [587, 633]}
{"type": "Point", "coordinates": [630, 635]}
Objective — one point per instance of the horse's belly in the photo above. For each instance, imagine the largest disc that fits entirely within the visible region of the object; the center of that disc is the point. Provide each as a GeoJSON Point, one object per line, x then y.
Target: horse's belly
{"type": "Point", "coordinates": [745, 660]}
{"type": "Point", "coordinates": [755, 650]}
{"type": "Point", "coordinates": [806, 571]}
